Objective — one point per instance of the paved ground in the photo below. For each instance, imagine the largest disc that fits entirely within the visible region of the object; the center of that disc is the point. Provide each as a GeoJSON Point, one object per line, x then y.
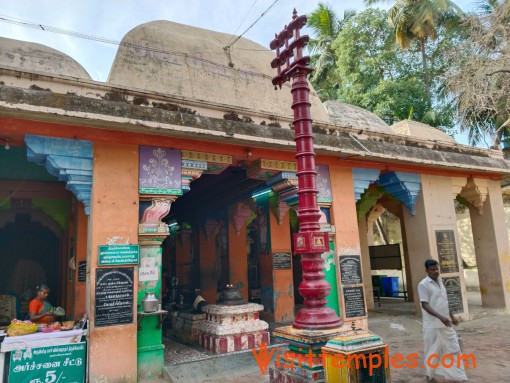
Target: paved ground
{"type": "Point", "coordinates": [486, 337]}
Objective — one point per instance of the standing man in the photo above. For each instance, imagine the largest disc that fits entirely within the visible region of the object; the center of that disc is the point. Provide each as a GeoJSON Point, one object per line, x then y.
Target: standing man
{"type": "Point", "coordinates": [439, 336]}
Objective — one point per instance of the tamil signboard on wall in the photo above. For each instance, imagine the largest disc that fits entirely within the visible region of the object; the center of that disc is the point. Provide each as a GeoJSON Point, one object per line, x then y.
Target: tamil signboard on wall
{"type": "Point", "coordinates": [354, 301]}
{"type": "Point", "coordinates": [447, 251]}
{"type": "Point", "coordinates": [110, 255]}
{"type": "Point", "coordinates": [282, 261]}
{"type": "Point", "coordinates": [350, 270]}
{"type": "Point", "coordinates": [114, 296]}
{"type": "Point", "coordinates": [52, 364]}
{"type": "Point", "coordinates": [82, 271]}
{"type": "Point", "coordinates": [454, 293]}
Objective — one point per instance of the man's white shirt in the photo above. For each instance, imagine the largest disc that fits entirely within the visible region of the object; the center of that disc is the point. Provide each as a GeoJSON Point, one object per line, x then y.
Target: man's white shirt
{"type": "Point", "coordinates": [435, 294]}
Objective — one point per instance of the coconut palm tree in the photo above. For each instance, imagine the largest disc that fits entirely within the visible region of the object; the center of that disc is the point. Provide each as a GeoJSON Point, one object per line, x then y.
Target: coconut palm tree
{"type": "Point", "coordinates": [325, 26]}
{"type": "Point", "coordinates": [418, 20]}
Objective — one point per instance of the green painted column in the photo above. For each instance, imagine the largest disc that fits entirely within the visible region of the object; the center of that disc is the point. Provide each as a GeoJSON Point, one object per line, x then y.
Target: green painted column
{"type": "Point", "coordinates": [151, 351]}
{"type": "Point", "coordinates": [330, 271]}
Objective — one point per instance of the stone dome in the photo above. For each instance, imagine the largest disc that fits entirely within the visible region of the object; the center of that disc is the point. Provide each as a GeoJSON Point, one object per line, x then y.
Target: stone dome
{"type": "Point", "coordinates": [353, 116]}
{"type": "Point", "coordinates": [420, 130]}
{"type": "Point", "coordinates": [33, 57]}
{"type": "Point", "coordinates": [191, 63]}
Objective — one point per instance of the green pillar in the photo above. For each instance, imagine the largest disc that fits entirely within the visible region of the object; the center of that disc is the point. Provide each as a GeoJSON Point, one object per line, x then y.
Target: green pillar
{"type": "Point", "coordinates": [151, 351]}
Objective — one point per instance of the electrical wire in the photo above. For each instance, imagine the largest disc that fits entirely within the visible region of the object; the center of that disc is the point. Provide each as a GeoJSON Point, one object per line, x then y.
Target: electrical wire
{"type": "Point", "coordinates": [251, 26]}
{"type": "Point", "coordinates": [227, 49]}
{"type": "Point", "coordinates": [233, 34]}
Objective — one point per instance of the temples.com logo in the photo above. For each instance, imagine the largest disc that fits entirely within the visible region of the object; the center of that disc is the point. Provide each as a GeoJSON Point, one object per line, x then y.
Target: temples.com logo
{"type": "Point", "coordinates": [373, 361]}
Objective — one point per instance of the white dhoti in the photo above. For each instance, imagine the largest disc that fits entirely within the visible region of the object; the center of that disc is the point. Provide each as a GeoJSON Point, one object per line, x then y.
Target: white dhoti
{"type": "Point", "coordinates": [438, 343]}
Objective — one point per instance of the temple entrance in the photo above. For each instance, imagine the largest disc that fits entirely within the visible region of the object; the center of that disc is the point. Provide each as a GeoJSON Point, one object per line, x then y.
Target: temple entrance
{"type": "Point", "coordinates": [213, 238]}
{"type": "Point", "coordinates": [36, 245]}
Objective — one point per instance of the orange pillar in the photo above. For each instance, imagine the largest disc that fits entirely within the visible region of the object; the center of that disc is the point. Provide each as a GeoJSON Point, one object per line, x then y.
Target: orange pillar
{"type": "Point", "coordinates": [114, 213]}
{"type": "Point", "coordinates": [237, 254]}
{"type": "Point", "coordinates": [283, 284]}
{"type": "Point", "coordinates": [344, 217]}
{"type": "Point", "coordinates": [82, 222]}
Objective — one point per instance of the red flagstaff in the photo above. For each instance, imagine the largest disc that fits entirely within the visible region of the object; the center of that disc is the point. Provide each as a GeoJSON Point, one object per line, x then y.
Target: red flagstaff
{"type": "Point", "coordinates": [310, 242]}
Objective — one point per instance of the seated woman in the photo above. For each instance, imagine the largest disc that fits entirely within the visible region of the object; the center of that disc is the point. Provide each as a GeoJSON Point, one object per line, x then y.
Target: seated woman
{"type": "Point", "coordinates": [39, 308]}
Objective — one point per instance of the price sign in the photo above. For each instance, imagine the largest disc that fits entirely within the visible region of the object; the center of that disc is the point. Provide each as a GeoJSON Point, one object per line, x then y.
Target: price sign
{"type": "Point", "coordinates": [64, 363]}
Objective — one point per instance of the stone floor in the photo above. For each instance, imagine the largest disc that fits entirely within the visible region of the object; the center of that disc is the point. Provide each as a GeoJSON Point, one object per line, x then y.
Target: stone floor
{"type": "Point", "coordinates": [486, 336]}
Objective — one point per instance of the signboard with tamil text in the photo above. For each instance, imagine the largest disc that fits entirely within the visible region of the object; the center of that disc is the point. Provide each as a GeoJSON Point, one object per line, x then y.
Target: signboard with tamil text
{"type": "Point", "coordinates": [52, 364]}
{"type": "Point", "coordinates": [114, 296]}
{"type": "Point", "coordinates": [118, 255]}
{"type": "Point", "coordinates": [447, 251]}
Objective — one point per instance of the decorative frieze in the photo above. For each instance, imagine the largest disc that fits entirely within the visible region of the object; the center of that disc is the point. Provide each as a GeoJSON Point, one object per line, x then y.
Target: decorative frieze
{"type": "Point", "coordinates": [475, 192]}
{"type": "Point", "coordinates": [216, 163]}
{"type": "Point", "coordinates": [263, 169]}
{"type": "Point", "coordinates": [151, 222]}
{"type": "Point", "coordinates": [403, 186]}
{"type": "Point", "coordinates": [160, 171]}
{"type": "Point", "coordinates": [241, 216]}
{"type": "Point", "coordinates": [362, 178]}
{"type": "Point", "coordinates": [279, 207]}
{"type": "Point", "coordinates": [67, 159]}
{"type": "Point", "coordinates": [458, 183]}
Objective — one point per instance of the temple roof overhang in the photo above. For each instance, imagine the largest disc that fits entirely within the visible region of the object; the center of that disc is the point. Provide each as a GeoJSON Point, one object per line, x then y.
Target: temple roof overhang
{"type": "Point", "coordinates": [99, 105]}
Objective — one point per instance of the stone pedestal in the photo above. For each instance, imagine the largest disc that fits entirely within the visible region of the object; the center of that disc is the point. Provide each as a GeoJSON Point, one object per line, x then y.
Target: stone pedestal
{"type": "Point", "coordinates": [186, 326]}
{"type": "Point", "coordinates": [303, 361]}
{"type": "Point", "coordinates": [357, 358]}
{"type": "Point", "coordinates": [233, 328]}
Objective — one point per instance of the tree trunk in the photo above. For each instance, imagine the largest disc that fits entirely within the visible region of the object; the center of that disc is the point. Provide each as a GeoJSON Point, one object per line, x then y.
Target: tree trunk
{"type": "Point", "coordinates": [425, 71]}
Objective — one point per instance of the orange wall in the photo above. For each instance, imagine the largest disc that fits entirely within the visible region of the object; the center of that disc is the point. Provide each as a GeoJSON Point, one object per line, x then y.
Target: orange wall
{"type": "Point", "coordinates": [81, 255]}
{"type": "Point", "coordinates": [237, 254]}
{"type": "Point", "coordinates": [114, 212]}
{"type": "Point", "coordinates": [207, 256]}
{"type": "Point", "coordinates": [343, 210]}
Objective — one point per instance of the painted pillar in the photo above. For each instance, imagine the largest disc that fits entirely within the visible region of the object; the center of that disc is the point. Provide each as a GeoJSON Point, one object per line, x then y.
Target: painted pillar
{"type": "Point", "coordinates": [491, 248]}
{"type": "Point", "coordinates": [151, 351]}
{"type": "Point", "coordinates": [81, 259]}
{"type": "Point", "coordinates": [151, 234]}
{"type": "Point", "coordinates": [365, 261]}
{"type": "Point", "coordinates": [207, 259]}
{"type": "Point", "coordinates": [282, 279]}
{"type": "Point", "coordinates": [347, 242]}
{"type": "Point", "coordinates": [433, 227]}
{"type": "Point", "coordinates": [114, 213]}
{"type": "Point", "coordinates": [237, 255]}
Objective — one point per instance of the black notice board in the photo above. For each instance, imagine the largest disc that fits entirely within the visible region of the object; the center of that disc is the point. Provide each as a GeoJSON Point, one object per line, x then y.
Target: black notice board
{"type": "Point", "coordinates": [281, 261]}
{"type": "Point", "coordinates": [82, 271]}
{"type": "Point", "coordinates": [454, 293]}
{"type": "Point", "coordinates": [354, 301]}
{"type": "Point", "coordinates": [446, 251]}
{"type": "Point", "coordinates": [114, 296]}
{"type": "Point", "coordinates": [385, 257]}
{"type": "Point", "coordinates": [350, 270]}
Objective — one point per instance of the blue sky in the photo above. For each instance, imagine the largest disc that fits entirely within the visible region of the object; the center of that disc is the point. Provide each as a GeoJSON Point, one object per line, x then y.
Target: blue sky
{"type": "Point", "coordinates": [112, 19]}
